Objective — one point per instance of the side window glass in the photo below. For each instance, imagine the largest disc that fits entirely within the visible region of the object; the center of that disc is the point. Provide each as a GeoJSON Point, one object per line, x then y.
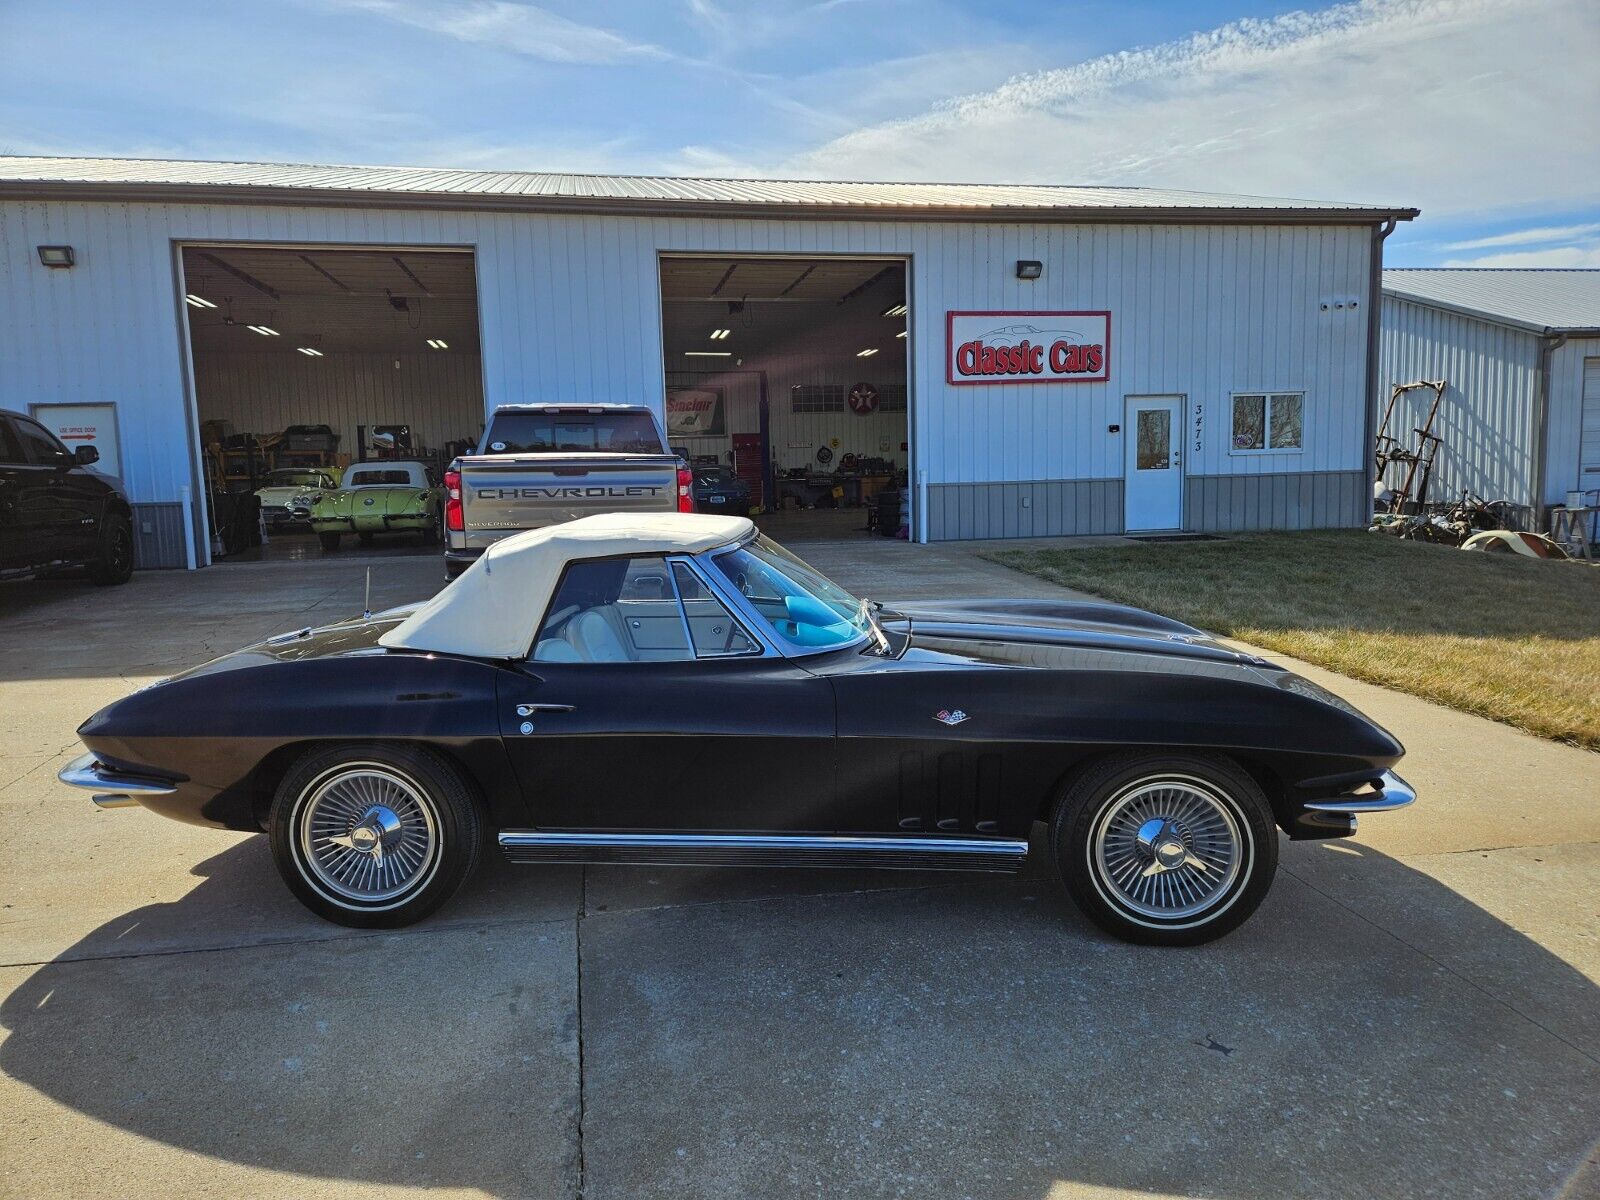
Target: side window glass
{"type": "Point", "coordinates": [715, 632]}
{"type": "Point", "coordinates": [10, 448]}
{"type": "Point", "coordinates": [613, 610]}
{"type": "Point", "coordinates": [44, 449]}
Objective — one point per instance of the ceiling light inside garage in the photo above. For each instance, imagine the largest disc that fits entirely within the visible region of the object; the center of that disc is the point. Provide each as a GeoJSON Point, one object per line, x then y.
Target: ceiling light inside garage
{"type": "Point", "coordinates": [718, 334]}
{"type": "Point", "coordinates": [263, 330]}
{"type": "Point", "coordinates": [309, 352]}
{"type": "Point", "coordinates": [708, 353]}
{"type": "Point", "coordinates": [867, 353]}
{"type": "Point", "coordinates": [197, 301]}
{"type": "Point", "coordinates": [896, 310]}
{"type": "Point", "coordinates": [438, 343]}
{"type": "Point", "coordinates": [902, 333]}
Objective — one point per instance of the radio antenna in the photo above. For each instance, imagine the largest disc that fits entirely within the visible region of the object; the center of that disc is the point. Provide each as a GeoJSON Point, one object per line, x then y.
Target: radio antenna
{"type": "Point", "coordinates": [366, 608]}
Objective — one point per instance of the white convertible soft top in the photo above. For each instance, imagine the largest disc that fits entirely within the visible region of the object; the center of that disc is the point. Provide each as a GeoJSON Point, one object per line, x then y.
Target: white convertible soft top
{"type": "Point", "coordinates": [494, 607]}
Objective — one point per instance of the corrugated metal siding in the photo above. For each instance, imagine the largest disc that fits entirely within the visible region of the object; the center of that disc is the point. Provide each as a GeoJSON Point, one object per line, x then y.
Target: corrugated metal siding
{"type": "Point", "coordinates": [158, 536]}
{"type": "Point", "coordinates": [570, 307]}
{"type": "Point", "coordinates": [439, 395]}
{"type": "Point", "coordinates": [1305, 500]}
{"type": "Point", "coordinates": [1054, 508]}
{"type": "Point", "coordinates": [1570, 420]}
{"type": "Point", "coordinates": [1487, 416]}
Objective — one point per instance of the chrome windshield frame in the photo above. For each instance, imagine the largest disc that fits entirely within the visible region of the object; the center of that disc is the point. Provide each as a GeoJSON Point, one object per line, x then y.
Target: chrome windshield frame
{"type": "Point", "coordinates": [777, 645]}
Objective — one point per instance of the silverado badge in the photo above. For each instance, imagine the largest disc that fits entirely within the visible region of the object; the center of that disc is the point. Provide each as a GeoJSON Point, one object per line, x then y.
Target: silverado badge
{"type": "Point", "coordinates": [950, 716]}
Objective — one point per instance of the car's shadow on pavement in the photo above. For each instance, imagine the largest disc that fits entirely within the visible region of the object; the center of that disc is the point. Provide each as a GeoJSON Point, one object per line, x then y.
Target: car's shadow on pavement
{"type": "Point", "coordinates": [1370, 1032]}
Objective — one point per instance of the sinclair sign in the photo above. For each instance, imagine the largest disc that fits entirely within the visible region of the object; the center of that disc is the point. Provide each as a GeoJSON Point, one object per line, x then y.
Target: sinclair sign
{"type": "Point", "coordinates": [1028, 347]}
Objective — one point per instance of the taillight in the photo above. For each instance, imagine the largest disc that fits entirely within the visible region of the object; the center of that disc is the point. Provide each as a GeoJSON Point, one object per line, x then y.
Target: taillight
{"type": "Point", "coordinates": [453, 519]}
{"type": "Point", "coordinates": [685, 490]}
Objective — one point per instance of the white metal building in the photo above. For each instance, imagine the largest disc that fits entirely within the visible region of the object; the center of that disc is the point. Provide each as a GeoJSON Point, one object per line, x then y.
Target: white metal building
{"type": "Point", "coordinates": [1520, 353]}
{"type": "Point", "coordinates": [1071, 360]}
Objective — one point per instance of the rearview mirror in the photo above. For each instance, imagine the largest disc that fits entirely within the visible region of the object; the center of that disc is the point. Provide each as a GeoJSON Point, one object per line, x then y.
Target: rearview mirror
{"type": "Point", "coordinates": [86, 455]}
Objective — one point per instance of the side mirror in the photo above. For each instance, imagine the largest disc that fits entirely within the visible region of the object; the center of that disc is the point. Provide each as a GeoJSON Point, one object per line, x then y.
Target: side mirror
{"type": "Point", "coordinates": [86, 455]}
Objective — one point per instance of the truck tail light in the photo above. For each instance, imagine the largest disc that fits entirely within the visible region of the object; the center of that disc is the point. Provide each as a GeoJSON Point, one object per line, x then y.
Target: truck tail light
{"type": "Point", "coordinates": [453, 520]}
{"type": "Point", "coordinates": [685, 490]}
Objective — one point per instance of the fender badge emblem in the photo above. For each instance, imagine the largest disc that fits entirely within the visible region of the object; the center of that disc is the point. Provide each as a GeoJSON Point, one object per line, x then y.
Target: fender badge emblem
{"type": "Point", "coordinates": [950, 717]}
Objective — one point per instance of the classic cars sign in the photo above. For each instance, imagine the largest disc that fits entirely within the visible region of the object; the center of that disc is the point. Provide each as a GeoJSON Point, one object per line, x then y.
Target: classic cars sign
{"type": "Point", "coordinates": [1028, 347]}
{"type": "Point", "coordinates": [695, 412]}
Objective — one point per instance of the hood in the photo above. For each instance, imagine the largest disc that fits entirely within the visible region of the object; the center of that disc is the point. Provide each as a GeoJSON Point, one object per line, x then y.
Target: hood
{"type": "Point", "coordinates": [282, 495]}
{"type": "Point", "coordinates": [1069, 625]}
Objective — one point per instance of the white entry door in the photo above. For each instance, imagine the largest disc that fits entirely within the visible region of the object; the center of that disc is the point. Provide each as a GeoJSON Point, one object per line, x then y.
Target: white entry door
{"type": "Point", "coordinates": [1152, 467]}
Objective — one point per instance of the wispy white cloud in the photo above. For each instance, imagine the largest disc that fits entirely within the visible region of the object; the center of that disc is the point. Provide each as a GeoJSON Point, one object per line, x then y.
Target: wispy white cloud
{"type": "Point", "coordinates": [1538, 236]}
{"type": "Point", "coordinates": [1558, 256]}
{"type": "Point", "coordinates": [1455, 105]}
{"type": "Point", "coordinates": [524, 29]}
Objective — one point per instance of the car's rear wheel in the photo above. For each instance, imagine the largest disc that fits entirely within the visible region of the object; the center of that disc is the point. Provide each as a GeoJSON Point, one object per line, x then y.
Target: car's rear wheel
{"type": "Point", "coordinates": [115, 561]}
{"type": "Point", "coordinates": [330, 541]}
{"type": "Point", "coordinates": [364, 538]}
{"type": "Point", "coordinates": [1165, 849]}
{"type": "Point", "coordinates": [372, 835]}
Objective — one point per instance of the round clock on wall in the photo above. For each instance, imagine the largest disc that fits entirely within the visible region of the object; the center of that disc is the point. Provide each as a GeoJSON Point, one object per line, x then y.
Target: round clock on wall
{"type": "Point", "coordinates": [863, 399]}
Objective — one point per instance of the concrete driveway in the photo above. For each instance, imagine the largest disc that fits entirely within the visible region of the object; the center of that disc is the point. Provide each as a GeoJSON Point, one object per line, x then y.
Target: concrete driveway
{"type": "Point", "coordinates": [1411, 1013]}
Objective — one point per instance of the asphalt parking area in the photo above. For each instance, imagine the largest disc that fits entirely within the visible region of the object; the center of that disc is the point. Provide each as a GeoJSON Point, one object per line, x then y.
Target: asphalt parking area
{"type": "Point", "coordinates": [1414, 1012]}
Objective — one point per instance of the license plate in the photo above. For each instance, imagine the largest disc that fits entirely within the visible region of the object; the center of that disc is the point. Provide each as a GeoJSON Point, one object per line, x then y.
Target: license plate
{"type": "Point", "coordinates": [717, 499]}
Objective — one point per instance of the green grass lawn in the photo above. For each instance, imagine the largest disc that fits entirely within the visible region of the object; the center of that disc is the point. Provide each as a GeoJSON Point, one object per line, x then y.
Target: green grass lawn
{"type": "Point", "coordinates": [1510, 638]}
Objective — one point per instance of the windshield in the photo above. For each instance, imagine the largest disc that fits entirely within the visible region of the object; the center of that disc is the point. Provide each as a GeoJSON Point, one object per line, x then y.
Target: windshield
{"type": "Point", "coordinates": [715, 475]}
{"type": "Point", "coordinates": [355, 479]}
{"type": "Point", "coordinates": [294, 479]}
{"type": "Point", "coordinates": [807, 609]}
{"type": "Point", "coordinates": [573, 429]}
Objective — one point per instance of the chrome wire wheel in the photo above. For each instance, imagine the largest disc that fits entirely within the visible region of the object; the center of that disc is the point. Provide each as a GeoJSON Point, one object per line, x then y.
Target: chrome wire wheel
{"type": "Point", "coordinates": [1168, 848]}
{"type": "Point", "coordinates": [367, 835]}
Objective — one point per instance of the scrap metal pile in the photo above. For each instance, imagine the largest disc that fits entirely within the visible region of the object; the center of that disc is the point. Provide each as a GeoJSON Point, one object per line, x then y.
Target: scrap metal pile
{"type": "Point", "coordinates": [1403, 510]}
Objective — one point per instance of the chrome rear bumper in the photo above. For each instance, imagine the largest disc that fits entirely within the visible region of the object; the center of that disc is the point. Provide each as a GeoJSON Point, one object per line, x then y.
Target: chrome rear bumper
{"type": "Point", "coordinates": [114, 789]}
{"type": "Point", "coordinates": [1392, 793]}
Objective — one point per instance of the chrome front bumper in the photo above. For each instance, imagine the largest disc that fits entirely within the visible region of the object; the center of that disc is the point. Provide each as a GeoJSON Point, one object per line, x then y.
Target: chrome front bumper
{"type": "Point", "coordinates": [114, 789]}
{"type": "Point", "coordinates": [1392, 793]}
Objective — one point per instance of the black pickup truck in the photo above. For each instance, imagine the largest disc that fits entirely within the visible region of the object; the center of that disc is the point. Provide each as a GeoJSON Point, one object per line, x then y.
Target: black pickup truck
{"type": "Point", "coordinates": [54, 511]}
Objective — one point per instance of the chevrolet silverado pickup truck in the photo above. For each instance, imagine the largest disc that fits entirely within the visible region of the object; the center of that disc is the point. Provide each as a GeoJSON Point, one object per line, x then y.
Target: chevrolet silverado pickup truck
{"type": "Point", "coordinates": [542, 464]}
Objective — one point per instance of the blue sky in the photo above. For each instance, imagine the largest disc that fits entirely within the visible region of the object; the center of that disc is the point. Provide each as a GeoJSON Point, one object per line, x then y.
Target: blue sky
{"type": "Point", "coordinates": [1484, 113]}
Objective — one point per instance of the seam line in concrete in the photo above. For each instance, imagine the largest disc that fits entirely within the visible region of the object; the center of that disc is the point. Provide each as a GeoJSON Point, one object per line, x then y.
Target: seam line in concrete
{"type": "Point", "coordinates": [371, 935]}
{"type": "Point", "coordinates": [583, 909]}
{"type": "Point", "coordinates": [1443, 966]}
{"type": "Point", "coordinates": [1497, 849]}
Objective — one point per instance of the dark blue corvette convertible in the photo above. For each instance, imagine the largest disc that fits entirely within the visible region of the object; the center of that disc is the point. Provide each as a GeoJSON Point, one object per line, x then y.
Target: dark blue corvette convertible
{"type": "Point", "coordinates": [676, 688]}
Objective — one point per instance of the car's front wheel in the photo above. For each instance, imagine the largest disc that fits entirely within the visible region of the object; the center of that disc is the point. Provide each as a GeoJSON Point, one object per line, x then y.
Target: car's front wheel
{"type": "Point", "coordinates": [373, 835]}
{"type": "Point", "coordinates": [330, 541]}
{"type": "Point", "coordinates": [1166, 849]}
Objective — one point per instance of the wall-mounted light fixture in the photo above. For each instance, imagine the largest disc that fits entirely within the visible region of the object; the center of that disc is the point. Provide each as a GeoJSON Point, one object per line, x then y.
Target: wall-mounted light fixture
{"type": "Point", "coordinates": [56, 256]}
{"type": "Point", "coordinates": [1029, 268]}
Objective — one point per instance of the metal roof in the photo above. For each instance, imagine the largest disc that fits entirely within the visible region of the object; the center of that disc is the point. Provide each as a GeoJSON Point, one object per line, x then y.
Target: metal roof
{"type": "Point", "coordinates": [164, 180]}
{"type": "Point", "coordinates": [1543, 300]}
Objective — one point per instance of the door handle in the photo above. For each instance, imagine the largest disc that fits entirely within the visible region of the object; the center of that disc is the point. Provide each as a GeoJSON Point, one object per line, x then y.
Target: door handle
{"type": "Point", "coordinates": [527, 710]}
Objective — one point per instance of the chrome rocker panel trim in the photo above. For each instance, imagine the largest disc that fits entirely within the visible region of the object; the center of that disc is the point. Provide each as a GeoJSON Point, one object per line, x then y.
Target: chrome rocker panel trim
{"type": "Point", "coordinates": [115, 790]}
{"type": "Point", "coordinates": [1392, 793]}
{"type": "Point", "coordinates": [765, 850]}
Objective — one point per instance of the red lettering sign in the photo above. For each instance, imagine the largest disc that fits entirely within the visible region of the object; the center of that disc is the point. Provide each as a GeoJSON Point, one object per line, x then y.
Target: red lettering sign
{"type": "Point", "coordinates": [1028, 347]}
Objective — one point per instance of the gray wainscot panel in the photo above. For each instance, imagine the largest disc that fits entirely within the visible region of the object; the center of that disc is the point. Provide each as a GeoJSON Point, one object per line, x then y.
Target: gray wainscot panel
{"type": "Point", "coordinates": [1034, 508]}
{"type": "Point", "coordinates": [1290, 500]}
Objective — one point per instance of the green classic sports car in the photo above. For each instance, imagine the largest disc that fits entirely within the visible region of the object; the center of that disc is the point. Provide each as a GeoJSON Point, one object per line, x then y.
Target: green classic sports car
{"type": "Point", "coordinates": [380, 497]}
{"type": "Point", "coordinates": [291, 491]}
